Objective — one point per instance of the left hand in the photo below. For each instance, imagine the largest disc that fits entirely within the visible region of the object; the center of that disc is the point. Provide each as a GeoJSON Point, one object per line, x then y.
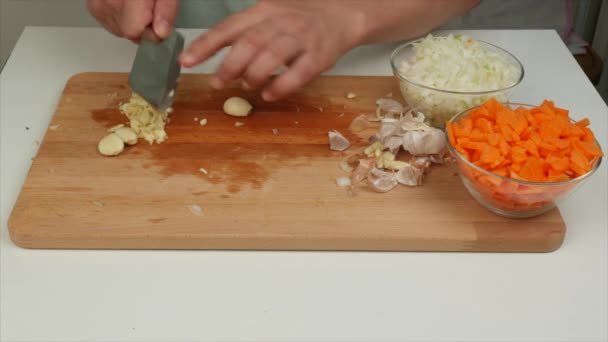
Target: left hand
{"type": "Point", "coordinates": [306, 36]}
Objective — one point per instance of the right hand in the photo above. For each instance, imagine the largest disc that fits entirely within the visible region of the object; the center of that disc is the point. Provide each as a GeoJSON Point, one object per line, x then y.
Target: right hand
{"type": "Point", "coordinates": [129, 18]}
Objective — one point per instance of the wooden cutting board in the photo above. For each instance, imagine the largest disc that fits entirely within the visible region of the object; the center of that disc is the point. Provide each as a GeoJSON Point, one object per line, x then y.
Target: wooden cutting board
{"type": "Point", "coordinates": [263, 191]}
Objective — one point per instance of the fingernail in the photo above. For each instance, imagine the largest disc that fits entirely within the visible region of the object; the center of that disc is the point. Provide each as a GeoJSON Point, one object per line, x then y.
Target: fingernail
{"type": "Point", "coordinates": [187, 59]}
{"type": "Point", "coordinates": [162, 28]}
{"type": "Point", "coordinates": [267, 96]}
{"type": "Point", "coordinates": [216, 83]}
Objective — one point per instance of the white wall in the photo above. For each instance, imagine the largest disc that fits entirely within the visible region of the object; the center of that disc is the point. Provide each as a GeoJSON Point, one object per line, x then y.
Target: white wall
{"type": "Point", "coordinates": [16, 14]}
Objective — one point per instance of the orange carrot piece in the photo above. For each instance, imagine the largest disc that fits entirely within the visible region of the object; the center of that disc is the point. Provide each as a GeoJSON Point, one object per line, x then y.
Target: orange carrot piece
{"type": "Point", "coordinates": [583, 123]}
{"type": "Point", "coordinates": [472, 145]}
{"type": "Point", "coordinates": [589, 148]}
{"type": "Point", "coordinates": [531, 147]}
{"type": "Point", "coordinates": [518, 154]}
{"type": "Point", "coordinates": [578, 158]}
{"type": "Point", "coordinates": [532, 170]}
{"type": "Point", "coordinates": [489, 155]}
{"type": "Point", "coordinates": [477, 135]}
{"type": "Point", "coordinates": [558, 162]}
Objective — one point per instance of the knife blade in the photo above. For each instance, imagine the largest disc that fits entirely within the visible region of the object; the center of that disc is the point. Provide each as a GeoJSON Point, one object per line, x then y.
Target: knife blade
{"type": "Point", "coordinates": [155, 71]}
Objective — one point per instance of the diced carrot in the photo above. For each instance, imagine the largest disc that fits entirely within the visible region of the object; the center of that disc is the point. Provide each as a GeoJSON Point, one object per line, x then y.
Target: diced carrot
{"type": "Point", "coordinates": [483, 125]}
{"type": "Point", "coordinates": [578, 158]}
{"type": "Point", "coordinates": [504, 147]}
{"type": "Point", "coordinates": [518, 154]}
{"type": "Point", "coordinates": [535, 137]}
{"type": "Point", "coordinates": [558, 162]}
{"type": "Point", "coordinates": [493, 139]}
{"type": "Point", "coordinates": [472, 145]}
{"type": "Point", "coordinates": [531, 148]}
{"type": "Point", "coordinates": [583, 123]}
{"type": "Point", "coordinates": [532, 170]}
{"type": "Point", "coordinates": [588, 135]}
{"type": "Point", "coordinates": [589, 148]}
{"type": "Point", "coordinates": [489, 154]}
{"type": "Point", "coordinates": [478, 135]}
{"type": "Point", "coordinates": [561, 112]}
{"type": "Point", "coordinates": [559, 143]}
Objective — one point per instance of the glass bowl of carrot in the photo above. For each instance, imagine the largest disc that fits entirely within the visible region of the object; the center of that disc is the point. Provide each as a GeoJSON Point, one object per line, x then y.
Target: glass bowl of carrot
{"type": "Point", "coordinates": [519, 160]}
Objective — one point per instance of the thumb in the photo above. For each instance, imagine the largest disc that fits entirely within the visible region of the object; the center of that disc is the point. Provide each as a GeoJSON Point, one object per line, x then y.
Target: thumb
{"type": "Point", "coordinates": [165, 12]}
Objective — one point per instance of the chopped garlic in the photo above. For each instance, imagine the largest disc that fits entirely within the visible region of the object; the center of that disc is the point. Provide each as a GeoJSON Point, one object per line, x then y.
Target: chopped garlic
{"type": "Point", "coordinates": [239, 124]}
{"type": "Point", "coordinates": [372, 150]}
{"type": "Point", "coordinates": [351, 96]}
{"type": "Point", "coordinates": [275, 131]}
{"type": "Point", "coordinates": [195, 209]}
{"type": "Point", "coordinates": [171, 93]}
{"type": "Point", "coordinates": [203, 122]}
{"type": "Point", "coordinates": [54, 127]}
{"type": "Point", "coordinates": [195, 118]}
{"type": "Point", "coordinates": [203, 170]}
{"type": "Point", "coordinates": [145, 120]}
{"type": "Point", "coordinates": [343, 181]}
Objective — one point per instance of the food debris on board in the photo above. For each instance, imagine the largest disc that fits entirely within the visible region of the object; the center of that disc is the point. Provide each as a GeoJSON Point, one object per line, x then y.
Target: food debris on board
{"type": "Point", "coordinates": [203, 170]}
{"type": "Point", "coordinates": [202, 122]}
{"type": "Point", "coordinates": [195, 209]}
{"type": "Point", "coordinates": [350, 96]}
{"type": "Point", "coordinates": [145, 120]}
{"type": "Point", "coordinates": [54, 127]}
{"type": "Point", "coordinates": [337, 142]}
{"type": "Point", "coordinates": [402, 130]}
{"type": "Point", "coordinates": [239, 124]}
{"type": "Point", "coordinates": [275, 131]}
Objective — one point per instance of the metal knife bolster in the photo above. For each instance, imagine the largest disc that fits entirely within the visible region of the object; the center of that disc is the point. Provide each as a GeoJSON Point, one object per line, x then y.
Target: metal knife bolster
{"type": "Point", "coordinates": [155, 70]}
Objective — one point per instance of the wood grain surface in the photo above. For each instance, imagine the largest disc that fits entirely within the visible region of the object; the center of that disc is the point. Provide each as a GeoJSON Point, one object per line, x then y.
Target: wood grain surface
{"type": "Point", "coordinates": [264, 191]}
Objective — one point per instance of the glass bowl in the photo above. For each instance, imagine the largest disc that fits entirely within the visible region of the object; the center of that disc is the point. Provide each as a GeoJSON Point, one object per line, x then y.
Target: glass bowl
{"type": "Point", "coordinates": [510, 197]}
{"type": "Point", "coordinates": [439, 105]}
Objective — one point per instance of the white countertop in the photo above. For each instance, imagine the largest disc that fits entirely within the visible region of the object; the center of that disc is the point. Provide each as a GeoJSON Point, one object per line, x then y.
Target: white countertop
{"type": "Point", "coordinates": [62, 295]}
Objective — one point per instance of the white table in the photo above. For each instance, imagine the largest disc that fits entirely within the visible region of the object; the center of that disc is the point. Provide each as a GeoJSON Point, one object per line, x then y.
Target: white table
{"type": "Point", "coordinates": [59, 295]}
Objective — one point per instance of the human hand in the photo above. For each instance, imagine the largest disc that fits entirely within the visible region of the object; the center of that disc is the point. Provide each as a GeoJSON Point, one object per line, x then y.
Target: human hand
{"type": "Point", "coordinates": [306, 36]}
{"type": "Point", "coordinates": [130, 18]}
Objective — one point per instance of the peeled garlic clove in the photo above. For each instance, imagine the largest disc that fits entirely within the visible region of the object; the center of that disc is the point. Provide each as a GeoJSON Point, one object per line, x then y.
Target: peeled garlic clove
{"type": "Point", "coordinates": [337, 142]}
{"type": "Point", "coordinates": [127, 135]}
{"type": "Point", "coordinates": [382, 181]}
{"type": "Point", "coordinates": [237, 106]}
{"type": "Point", "coordinates": [410, 176]}
{"type": "Point", "coordinates": [111, 145]}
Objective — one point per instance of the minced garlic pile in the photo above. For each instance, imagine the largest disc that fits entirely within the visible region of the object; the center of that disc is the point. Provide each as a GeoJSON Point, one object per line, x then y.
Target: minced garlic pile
{"type": "Point", "coordinates": [145, 120]}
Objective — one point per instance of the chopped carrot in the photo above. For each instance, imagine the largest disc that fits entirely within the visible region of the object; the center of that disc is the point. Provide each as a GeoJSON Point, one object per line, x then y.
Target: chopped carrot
{"type": "Point", "coordinates": [582, 123]}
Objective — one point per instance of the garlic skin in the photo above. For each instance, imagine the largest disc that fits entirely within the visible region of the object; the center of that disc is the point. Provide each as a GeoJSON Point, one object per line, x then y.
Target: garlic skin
{"type": "Point", "coordinates": [410, 176]}
{"type": "Point", "coordinates": [337, 142]}
{"type": "Point", "coordinates": [382, 181]}
{"type": "Point", "coordinates": [424, 142]}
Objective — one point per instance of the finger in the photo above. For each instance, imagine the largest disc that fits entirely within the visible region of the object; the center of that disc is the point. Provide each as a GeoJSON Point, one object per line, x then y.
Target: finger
{"type": "Point", "coordinates": [165, 12]}
{"type": "Point", "coordinates": [279, 53]}
{"type": "Point", "coordinates": [105, 15]}
{"type": "Point", "coordinates": [136, 15]}
{"type": "Point", "coordinates": [302, 71]}
{"type": "Point", "coordinates": [242, 52]}
{"type": "Point", "coordinates": [220, 36]}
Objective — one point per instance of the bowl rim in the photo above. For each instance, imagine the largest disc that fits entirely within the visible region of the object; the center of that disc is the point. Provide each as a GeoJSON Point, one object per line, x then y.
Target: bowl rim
{"type": "Point", "coordinates": [403, 46]}
{"type": "Point", "coordinates": [453, 151]}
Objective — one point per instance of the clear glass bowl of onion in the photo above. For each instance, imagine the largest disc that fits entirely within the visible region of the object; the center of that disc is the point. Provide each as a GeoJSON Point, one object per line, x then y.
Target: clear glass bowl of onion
{"type": "Point", "coordinates": [444, 75]}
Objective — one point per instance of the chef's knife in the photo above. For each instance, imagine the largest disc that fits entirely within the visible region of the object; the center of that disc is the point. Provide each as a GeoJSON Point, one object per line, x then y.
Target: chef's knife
{"type": "Point", "coordinates": [156, 70]}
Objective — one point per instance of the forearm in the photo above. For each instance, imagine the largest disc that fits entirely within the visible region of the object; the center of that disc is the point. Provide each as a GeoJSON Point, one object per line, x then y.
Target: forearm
{"type": "Point", "coordinates": [390, 20]}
